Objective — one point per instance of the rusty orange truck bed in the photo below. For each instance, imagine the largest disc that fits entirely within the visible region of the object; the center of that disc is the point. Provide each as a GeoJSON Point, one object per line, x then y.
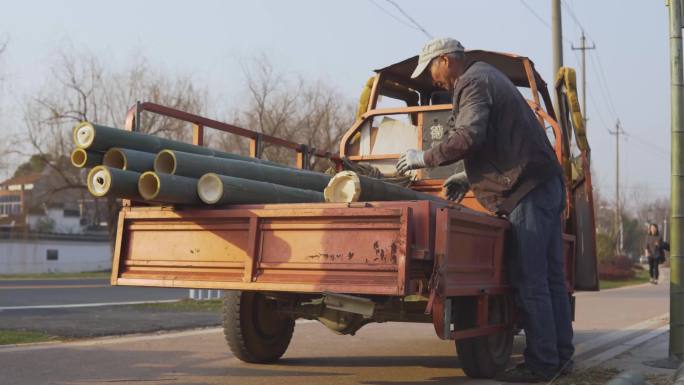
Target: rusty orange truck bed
{"type": "Point", "coordinates": [347, 265]}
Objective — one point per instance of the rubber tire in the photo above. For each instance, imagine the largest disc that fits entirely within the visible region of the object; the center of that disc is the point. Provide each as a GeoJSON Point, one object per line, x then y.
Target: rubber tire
{"type": "Point", "coordinates": [482, 357]}
{"type": "Point", "coordinates": [244, 316]}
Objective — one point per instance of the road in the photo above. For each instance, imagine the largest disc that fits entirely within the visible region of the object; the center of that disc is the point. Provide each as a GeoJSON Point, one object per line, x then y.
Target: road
{"type": "Point", "coordinates": [39, 292]}
{"type": "Point", "coordinates": [379, 354]}
{"type": "Point", "coordinates": [83, 308]}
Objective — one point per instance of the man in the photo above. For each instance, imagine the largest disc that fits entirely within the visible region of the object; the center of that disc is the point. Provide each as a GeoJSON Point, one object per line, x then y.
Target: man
{"type": "Point", "coordinates": [513, 171]}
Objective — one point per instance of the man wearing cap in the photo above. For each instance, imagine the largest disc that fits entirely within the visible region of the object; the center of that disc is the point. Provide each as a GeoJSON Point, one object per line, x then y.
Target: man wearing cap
{"type": "Point", "coordinates": [511, 167]}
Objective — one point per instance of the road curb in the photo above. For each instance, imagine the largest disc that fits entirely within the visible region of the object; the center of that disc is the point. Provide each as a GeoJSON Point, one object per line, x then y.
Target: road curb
{"type": "Point", "coordinates": [678, 377]}
{"type": "Point", "coordinates": [629, 377]}
{"type": "Point", "coordinates": [622, 348]}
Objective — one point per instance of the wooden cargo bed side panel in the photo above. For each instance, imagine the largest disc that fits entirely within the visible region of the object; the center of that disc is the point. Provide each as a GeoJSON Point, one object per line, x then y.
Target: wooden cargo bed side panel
{"type": "Point", "coordinates": [360, 251]}
{"type": "Point", "coordinates": [353, 250]}
{"type": "Point", "coordinates": [470, 251]}
{"type": "Point", "coordinates": [177, 248]}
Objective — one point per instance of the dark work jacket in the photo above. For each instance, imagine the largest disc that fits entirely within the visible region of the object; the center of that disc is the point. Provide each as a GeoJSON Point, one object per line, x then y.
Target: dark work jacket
{"type": "Point", "coordinates": [506, 151]}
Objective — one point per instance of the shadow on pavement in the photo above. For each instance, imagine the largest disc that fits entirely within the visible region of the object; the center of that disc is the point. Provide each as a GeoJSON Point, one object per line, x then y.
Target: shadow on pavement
{"type": "Point", "coordinates": [434, 362]}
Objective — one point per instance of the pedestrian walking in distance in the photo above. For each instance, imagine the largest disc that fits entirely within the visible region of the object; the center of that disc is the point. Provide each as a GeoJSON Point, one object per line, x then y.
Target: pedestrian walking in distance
{"type": "Point", "coordinates": [654, 250]}
{"type": "Point", "coordinates": [512, 168]}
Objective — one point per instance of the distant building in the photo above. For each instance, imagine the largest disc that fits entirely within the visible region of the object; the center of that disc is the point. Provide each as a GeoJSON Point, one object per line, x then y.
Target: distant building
{"type": "Point", "coordinates": [46, 226]}
{"type": "Point", "coordinates": [39, 203]}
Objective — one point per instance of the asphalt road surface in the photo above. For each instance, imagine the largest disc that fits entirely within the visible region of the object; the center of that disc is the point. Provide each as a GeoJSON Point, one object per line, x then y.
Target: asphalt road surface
{"type": "Point", "coordinates": [82, 308]}
{"type": "Point", "coordinates": [77, 291]}
{"type": "Point", "coordinates": [380, 354]}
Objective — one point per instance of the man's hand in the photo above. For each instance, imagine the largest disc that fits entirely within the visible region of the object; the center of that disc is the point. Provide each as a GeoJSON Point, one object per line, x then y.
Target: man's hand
{"type": "Point", "coordinates": [457, 186]}
{"type": "Point", "coordinates": [410, 160]}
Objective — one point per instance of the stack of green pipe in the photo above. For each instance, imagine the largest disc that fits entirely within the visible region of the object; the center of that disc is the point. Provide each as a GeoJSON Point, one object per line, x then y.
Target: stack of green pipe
{"type": "Point", "coordinates": [94, 137]}
{"type": "Point", "coordinates": [194, 166]}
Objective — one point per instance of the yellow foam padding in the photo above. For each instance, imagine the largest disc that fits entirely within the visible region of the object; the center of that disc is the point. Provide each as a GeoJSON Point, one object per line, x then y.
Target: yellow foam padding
{"type": "Point", "coordinates": [364, 99]}
{"type": "Point", "coordinates": [355, 137]}
{"type": "Point", "coordinates": [567, 76]}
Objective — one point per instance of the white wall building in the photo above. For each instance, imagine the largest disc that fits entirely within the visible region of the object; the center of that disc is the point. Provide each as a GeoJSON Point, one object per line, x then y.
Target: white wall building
{"type": "Point", "coordinates": [42, 253]}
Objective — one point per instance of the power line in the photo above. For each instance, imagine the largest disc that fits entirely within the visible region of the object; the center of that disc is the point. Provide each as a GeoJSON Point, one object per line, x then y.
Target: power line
{"type": "Point", "coordinates": [393, 16]}
{"type": "Point", "coordinates": [600, 73]}
{"type": "Point", "coordinates": [603, 86]}
{"type": "Point", "coordinates": [658, 150]}
{"type": "Point", "coordinates": [541, 19]}
{"type": "Point", "coordinates": [572, 14]}
{"type": "Point", "coordinates": [420, 27]}
{"type": "Point", "coordinates": [532, 11]}
{"type": "Point", "coordinates": [605, 80]}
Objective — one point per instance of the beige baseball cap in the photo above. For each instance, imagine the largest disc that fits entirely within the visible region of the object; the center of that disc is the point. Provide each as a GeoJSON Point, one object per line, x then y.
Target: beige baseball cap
{"type": "Point", "coordinates": [434, 48]}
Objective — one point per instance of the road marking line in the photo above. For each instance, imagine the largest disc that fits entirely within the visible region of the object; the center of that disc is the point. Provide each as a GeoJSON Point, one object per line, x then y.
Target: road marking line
{"type": "Point", "coordinates": [109, 340]}
{"type": "Point", "coordinates": [75, 305]}
{"type": "Point", "coordinates": [26, 287]}
{"type": "Point", "coordinates": [619, 334]}
{"type": "Point", "coordinates": [622, 348]}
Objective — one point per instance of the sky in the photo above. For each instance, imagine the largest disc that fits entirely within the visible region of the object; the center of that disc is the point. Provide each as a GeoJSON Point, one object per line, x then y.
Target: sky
{"type": "Point", "coordinates": [341, 42]}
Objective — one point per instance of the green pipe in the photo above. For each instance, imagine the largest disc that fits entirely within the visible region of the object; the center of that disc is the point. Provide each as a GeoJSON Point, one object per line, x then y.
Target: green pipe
{"type": "Point", "coordinates": [81, 158]}
{"type": "Point", "coordinates": [167, 188]}
{"type": "Point", "coordinates": [348, 186]}
{"type": "Point", "coordinates": [194, 166]}
{"type": "Point", "coordinates": [94, 137]}
{"type": "Point", "coordinates": [220, 189]}
{"type": "Point", "coordinates": [676, 349]}
{"type": "Point", "coordinates": [127, 159]}
{"type": "Point", "coordinates": [106, 181]}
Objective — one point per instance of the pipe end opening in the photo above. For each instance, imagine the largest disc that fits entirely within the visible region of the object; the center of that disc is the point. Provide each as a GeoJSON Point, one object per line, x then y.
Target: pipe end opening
{"type": "Point", "coordinates": [148, 185]}
{"type": "Point", "coordinates": [84, 134]}
{"type": "Point", "coordinates": [345, 187]}
{"type": "Point", "coordinates": [115, 158]}
{"type": "Point", "coordinates": [165, 162]}
{"type": "Point", "coordinates": [79, 157]}
{"type": "Point", "coordinates": [99, 181]}
{"type": "Point", "coordinates": [210, 188]}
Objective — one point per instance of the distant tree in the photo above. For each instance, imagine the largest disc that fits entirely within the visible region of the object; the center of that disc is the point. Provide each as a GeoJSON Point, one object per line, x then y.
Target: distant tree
{"type": "Point", "coordinates": [300, 110]}
{"type": "Point", "coordinates": [605, 246]}
{"type": "Point", "coordinates": [35, 164]}
{"type": "Point", "coordinates": [81, 88]}
{"type": "Point", "coordinates": [4, 148]}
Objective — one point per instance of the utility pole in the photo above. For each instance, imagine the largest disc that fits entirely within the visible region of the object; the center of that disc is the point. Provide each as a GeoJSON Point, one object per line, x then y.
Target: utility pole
{"type": "Point", "coordinates": [557, 43]}
{"type": "Point", "coordinates": [677, 185]}
{"type": "Point", "coordinates": [583, 47]}
{"type": "Point", "coordinates": [676, 348]}
{"type": "Point", "coordinates": [618, 211]}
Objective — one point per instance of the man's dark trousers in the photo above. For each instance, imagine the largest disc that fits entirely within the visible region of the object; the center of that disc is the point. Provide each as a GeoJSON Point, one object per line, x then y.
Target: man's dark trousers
{"type": "Point", "coordinates": [536, 273]}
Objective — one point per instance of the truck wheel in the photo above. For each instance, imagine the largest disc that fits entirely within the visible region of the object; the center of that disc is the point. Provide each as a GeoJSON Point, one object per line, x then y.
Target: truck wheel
{"type": "Point", "coordinates": [255, 332]}
{"type": "Point", "coordinates": [484, 357]}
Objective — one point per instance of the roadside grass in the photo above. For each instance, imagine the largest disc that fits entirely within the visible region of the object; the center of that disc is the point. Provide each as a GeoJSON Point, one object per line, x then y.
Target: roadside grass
{"type": "Point", "coordinates": [11, 337]}
{"type": "Point", "coordinates": [599, 376]}
{"type": "Point", "coordinates": [640, 277]}
{"type": "Point", "coordinates": [87, 274]}
{"type": "Point", "coordinates": [211, 305]}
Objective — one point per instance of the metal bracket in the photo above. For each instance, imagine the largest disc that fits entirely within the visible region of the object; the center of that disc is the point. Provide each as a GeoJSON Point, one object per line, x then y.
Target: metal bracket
{"type": "Point", "coordinates": [306, 156]}
{"type": "Point", "coordinates": [258, 144]}
{"type": "Point", "coordinates": [349, 304]}
{"type": "Point", "coordinates": [447, 317]}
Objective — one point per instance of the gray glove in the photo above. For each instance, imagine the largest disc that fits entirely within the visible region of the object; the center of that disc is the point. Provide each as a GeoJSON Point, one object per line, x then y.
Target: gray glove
{"type": "Point", "coordinates": [457, 186]}
{"type": "Point", "coordinates": [410, 160]}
